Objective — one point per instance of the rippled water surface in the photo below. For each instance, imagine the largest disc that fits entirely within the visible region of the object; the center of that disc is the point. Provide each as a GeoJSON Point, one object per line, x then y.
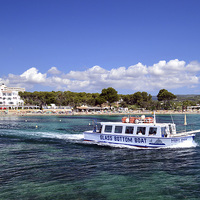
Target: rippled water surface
{"type": "Point", "coordinates": [44, 157]}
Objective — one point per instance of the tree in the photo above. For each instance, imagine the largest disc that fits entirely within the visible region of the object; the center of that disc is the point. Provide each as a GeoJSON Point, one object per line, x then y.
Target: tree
{"type": "Point", "coordinates": [110, 95]}
{"type": "Point", "coordinates": [100, 100]}
{"type": "Point", "coordinates": [165, 96]}
{"type": "Point", "coordinates": [140, 99]}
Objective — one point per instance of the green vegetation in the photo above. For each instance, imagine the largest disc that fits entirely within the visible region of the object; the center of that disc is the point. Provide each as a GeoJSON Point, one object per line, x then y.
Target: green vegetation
{"type": "Point", "coordinates": [66, 98]}
{"type": "Point", "coordinates": [138, 100]}
{"type": "Point", "coordinates": [110, 95]}
{"type": "Point", "coordinates": [166, 97]}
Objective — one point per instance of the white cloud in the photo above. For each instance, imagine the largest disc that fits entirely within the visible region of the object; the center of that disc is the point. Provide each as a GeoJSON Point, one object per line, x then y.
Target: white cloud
{"type": "Point", "coordinates": [162, 68]}
{"type": "Point", "coordinates": [53, 71]}
{"type": "Point", "coordinates": [173, 75]}
{"type": "Point", "coordinates": [32, 75]}
{"type": "Point", "coordinates": [169, 75]}
{"type": "Point", "coordinates": [96, 70]}
{"type": "Point", "coordinates": [117, 74]}
{"type": "Point", "coordinates": [193, 67]}
{"type": "Point", "coordinates": [137, 70]}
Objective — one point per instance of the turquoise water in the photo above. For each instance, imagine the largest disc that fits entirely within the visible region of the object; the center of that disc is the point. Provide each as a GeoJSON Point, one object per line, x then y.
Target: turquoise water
{"type": "Point", "coordinates": [44, 157]}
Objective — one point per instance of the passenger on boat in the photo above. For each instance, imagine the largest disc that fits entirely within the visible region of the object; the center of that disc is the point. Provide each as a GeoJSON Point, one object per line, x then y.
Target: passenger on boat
{"type": "Point", "coordinates": [152, 133]}
{"type": "Point", "coordinates": [141, 130]}
{"type": "Point", "coordinates": [140, 133]}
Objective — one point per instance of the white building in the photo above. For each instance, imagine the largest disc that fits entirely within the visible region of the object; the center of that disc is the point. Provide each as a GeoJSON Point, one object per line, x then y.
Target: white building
{"type": "Point", "coordinates": [9, 96]}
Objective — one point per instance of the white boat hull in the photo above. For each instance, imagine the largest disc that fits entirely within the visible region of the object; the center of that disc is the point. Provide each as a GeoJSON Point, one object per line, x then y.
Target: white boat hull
{"type": "Point", "coordinates": [137, 141]}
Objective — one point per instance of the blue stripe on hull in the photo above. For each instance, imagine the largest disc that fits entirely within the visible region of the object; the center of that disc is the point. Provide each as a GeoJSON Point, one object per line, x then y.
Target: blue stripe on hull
{"type": "Point", "coordinates": [156, 144]}
{"type": "Point", "coordinates": [126, 144]}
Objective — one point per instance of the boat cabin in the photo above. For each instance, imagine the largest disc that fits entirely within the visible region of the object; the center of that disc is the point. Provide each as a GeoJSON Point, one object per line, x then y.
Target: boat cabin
{"type": "Point", "coordinates": [140, 129]}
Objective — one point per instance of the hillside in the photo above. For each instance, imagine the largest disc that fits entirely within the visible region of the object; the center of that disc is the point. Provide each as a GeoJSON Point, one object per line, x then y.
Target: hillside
{"type": "Point", "coordinates": [189, 97]}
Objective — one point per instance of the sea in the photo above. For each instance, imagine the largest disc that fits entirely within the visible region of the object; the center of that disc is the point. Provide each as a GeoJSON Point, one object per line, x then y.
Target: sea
{"type": "Point", "coordinates": [45, 157]}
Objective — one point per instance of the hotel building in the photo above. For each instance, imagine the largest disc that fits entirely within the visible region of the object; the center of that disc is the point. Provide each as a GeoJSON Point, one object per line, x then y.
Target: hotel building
{"type": "Point", "coordinates": [9, 97]}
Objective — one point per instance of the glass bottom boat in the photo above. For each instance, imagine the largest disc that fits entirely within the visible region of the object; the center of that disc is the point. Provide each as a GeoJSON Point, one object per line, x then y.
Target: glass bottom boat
{"type": "Point", "coordinates": [141, 132]}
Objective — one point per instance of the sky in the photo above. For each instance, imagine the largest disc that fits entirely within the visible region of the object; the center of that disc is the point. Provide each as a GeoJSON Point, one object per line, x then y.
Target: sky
{"type": "Point", "coordinates": [89, 45]}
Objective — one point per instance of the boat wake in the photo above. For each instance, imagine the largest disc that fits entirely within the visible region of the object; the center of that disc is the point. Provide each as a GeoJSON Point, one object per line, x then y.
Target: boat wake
{"type": "Point", "coordinates": [42, 135]}
{"type": "Point", "coordinates": [62, 136]}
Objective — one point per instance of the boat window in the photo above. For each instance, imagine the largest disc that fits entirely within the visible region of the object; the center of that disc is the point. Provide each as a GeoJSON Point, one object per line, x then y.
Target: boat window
{"type": "Point", "coordinates": [141, 130]}
{"type": "Point", "coordinates": [118, 129]}
{"type": "Point", "coordinates": [129, 130]}
{"type": "Point", "coordinates": [108, 129]}
{"type": "Point", "coordinates": [152, 130]}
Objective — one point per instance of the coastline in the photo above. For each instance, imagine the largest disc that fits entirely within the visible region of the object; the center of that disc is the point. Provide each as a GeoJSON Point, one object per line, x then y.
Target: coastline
{"type": "Point", "coordinates": [63, 112]}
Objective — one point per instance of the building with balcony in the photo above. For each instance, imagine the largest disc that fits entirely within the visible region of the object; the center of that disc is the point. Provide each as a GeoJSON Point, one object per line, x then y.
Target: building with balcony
{"type": "Point", "coordinates": [9, 97]}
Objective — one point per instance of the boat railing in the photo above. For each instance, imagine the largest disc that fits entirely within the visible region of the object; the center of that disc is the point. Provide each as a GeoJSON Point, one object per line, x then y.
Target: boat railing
{"type": "Point", "coordinates": [138, 120]}
{"type": "Point", "coordinates": [186, 129]}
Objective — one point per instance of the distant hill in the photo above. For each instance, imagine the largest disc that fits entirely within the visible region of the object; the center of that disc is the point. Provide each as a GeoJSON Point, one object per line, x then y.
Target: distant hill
{"type": "Point", "coordinates": [185, 97]}
{"type": "Point", "coordinates": [189, 97]}
{"type": "Point", "coordinates": [154, 98]}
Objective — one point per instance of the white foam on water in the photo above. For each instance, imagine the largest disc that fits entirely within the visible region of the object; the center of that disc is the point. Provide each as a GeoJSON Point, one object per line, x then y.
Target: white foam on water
{"type": "Point", "coordinates": [186, 144]}
{"type": "Point", "coordinates": [61, 136]}
{"type": "Point", "coordinates": [39, 134]}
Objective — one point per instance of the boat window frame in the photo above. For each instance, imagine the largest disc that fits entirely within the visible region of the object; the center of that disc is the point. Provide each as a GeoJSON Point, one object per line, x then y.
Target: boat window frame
{"type": "Point", "coordinates": [121, 129]}
{"type": "Point", "coordinates": [108, 126]}
{"type": "Point", "coordinates": [131, 132]}
{"type": "Point", "coordinates": [152, 133]}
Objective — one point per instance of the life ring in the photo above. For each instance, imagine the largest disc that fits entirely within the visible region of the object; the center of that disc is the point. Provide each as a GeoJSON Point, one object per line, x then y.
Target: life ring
{"type": "Point", "coordinates": [149, 120]}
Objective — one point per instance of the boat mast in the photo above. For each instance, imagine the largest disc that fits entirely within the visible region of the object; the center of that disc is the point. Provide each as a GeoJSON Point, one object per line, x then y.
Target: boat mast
{"type": "Point", "coordinates": [154, 117]}
{"type": "Point", "coordinates": [185, 121]}
{"type": "Point", "coordinates": [172, 118]}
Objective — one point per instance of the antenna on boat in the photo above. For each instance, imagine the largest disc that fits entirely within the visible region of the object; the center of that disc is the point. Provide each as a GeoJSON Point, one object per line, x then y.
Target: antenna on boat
{"type": "Point", "coordinates": [172, 119]}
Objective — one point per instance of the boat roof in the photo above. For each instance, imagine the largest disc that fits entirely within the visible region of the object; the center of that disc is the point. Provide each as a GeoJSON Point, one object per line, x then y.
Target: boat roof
{"type": "Point", "coordinates": [134, 124]}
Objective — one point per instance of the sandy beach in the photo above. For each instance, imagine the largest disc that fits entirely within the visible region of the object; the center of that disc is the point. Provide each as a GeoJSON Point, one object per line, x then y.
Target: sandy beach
{"type": "Point", "coordinates": [32, 112]}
